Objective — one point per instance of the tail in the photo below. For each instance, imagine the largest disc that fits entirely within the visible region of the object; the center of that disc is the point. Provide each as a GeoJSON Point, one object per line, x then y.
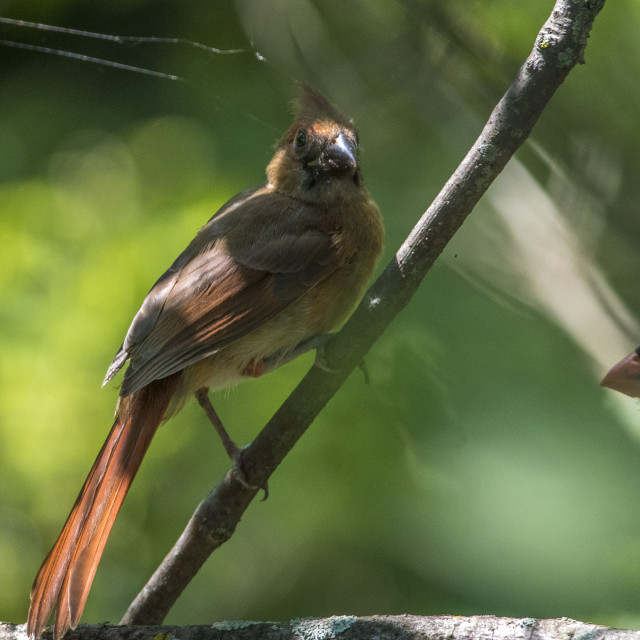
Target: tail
{"type": "Point", "coordinates": [66, 574]}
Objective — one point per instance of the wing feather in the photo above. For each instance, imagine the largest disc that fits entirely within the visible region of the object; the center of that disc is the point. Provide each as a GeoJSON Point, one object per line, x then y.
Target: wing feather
{"type": "Point", "coordinates": [228, 281]}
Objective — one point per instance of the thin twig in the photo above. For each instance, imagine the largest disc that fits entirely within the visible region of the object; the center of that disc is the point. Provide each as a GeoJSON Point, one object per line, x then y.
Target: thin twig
{"type": "Point", "coordinates": [121, 40]}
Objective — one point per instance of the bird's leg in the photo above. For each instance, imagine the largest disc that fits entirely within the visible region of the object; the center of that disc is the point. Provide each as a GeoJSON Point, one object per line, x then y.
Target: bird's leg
{"type": "Point", "coordinates": [318, 343]}
{"type": "Point", "coordinates": [254, 369]}
{"type": "Point", "coordinates": [232, 449]}
{"type": "Point", "coordinates": [278, 358]}
{"type": "Point", "coordinates": [321, 356]}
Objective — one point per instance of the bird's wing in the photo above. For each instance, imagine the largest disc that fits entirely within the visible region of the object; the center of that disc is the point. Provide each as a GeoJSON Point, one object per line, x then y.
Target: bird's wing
{"type": "Point", "coordinates": [229, 281]}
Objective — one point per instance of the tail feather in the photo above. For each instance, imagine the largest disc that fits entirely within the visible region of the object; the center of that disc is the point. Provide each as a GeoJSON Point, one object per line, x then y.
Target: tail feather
{"type": "Point", "coordinates": [68, 570]}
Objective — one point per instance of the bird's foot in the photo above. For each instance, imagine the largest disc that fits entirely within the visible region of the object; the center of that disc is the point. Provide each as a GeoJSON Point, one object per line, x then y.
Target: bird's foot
{"type": "Point", "coordinates": [233, 450]}
{"type": "Point", "coordinates": [320, 343]}
{"type": "Point", "coordinates": [238, 474]}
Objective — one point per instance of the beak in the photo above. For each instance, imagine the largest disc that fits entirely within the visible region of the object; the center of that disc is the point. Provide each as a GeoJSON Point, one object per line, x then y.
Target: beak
{"type": "Point", "coordinates": [341, 154]}
{"type": "Point", "coordinates": [625, 376]}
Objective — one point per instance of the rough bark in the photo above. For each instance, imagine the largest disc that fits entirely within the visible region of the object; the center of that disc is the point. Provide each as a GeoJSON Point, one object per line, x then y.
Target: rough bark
{"type": "Point", "coordinates": [352, 628]}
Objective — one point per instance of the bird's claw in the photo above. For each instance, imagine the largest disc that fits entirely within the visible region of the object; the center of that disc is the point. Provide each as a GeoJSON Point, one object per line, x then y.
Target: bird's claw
{"type": "Point", "coordinates": [321, 357]}
{"type": "Point", "coordinates": [238, 474]}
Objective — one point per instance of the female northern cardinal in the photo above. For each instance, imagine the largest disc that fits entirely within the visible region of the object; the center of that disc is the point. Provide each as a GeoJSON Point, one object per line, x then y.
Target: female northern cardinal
{"type": "Point", "coordinates": [278, 265]}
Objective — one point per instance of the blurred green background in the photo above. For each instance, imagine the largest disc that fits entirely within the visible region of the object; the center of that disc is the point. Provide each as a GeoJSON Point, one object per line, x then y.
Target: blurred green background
{"type": "Point", "coordinates": [482, 470]}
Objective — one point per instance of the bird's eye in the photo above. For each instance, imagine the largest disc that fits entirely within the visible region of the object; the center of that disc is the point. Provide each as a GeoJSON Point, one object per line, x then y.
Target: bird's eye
{"type": "Point", "coordinates": [300, 139]}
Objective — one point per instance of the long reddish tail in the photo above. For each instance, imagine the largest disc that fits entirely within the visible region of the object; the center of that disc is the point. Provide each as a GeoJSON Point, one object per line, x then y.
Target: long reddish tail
{"type": "Point", "coordinates": [66, 574]}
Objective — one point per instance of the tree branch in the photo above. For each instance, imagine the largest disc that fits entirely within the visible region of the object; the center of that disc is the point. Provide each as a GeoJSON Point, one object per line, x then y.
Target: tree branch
{"type": "Point", "coordinates": [353, 628]}
{"type": "Point", "coordinates": [558, 48]}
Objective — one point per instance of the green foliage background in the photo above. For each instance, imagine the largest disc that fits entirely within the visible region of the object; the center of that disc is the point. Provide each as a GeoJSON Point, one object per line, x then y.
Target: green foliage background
{"type": "Point", "coordinates": [482, 470]}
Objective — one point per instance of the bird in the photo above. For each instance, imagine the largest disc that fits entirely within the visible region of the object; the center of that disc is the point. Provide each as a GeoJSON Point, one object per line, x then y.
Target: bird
{"type": "Point", "coordinates": [277, 267]}
{"type": "Point", "coordinates": [624, 376]}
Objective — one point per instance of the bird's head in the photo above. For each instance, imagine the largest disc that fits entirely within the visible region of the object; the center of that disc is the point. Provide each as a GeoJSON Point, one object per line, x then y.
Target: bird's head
{"type": "Point", "coordinates": [317, 158]}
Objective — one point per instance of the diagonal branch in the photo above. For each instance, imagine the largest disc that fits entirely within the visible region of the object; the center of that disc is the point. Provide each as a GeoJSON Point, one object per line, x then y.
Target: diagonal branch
{"type": "Point", "coordinates": [558, 48]}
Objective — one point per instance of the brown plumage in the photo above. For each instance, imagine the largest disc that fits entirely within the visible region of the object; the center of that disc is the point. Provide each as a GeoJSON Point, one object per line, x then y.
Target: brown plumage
{"type": "Point", "coordinates": [277, 265]}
